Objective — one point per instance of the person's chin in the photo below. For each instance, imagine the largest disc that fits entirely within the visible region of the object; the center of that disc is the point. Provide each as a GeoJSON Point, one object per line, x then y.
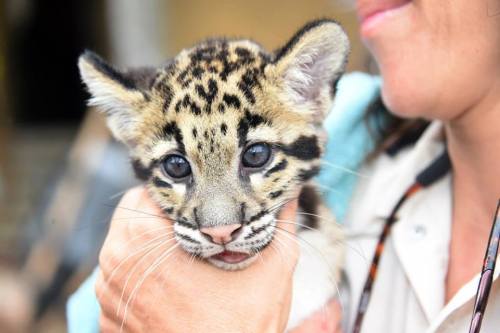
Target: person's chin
{"type": "Point", "coordinates": [405, 99]}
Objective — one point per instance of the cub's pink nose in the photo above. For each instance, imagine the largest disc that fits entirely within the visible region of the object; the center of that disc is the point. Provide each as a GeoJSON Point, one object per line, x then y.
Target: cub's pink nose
{"type": "Point", "coordinates": [222, 234]}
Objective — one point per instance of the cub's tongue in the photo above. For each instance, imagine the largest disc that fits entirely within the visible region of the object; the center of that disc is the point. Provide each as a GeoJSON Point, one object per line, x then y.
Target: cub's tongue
{"type": "Point", "coordinates": [231, 257]}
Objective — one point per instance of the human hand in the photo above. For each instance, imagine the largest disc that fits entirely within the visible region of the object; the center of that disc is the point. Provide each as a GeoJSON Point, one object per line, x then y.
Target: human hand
{"type": "Point", "coordinates": [326, 320]}
{"type": "Point", "coordinates": [182, 294]}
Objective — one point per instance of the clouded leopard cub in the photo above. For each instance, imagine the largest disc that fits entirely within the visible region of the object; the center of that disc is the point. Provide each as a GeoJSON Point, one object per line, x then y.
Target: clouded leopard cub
{"type": "Point", "coordinates": [224, 135]}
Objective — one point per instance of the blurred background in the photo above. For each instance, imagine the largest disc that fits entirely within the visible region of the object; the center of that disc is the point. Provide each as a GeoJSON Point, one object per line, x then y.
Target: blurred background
{"type": "Point", "coordinates": [61, 175]}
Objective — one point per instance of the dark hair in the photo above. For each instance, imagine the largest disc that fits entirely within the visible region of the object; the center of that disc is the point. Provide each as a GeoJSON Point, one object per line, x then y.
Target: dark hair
{"type": "Point", "coordinates": [390, 132]}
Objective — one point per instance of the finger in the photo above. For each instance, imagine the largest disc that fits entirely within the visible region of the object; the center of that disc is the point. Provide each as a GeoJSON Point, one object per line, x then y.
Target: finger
{"type": "Point", "coordinates": [107, 324]}
{"type": "Point", "coordinates": [325, 320]}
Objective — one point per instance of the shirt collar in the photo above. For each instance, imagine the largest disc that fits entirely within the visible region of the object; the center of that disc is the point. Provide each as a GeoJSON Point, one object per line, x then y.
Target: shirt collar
{"type": "Point", "coordinates": [416, 159]}
{"type": "Point", "coordinates": [424, 228]}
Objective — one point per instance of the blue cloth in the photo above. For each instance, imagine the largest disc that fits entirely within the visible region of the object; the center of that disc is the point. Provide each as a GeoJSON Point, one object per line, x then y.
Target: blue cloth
{"type": "Point", "coordinates": [348, 144]}
{"type": "Point", "coordinates": [82, 309]}
{"type": "Point", "coordinates": [349, 140]}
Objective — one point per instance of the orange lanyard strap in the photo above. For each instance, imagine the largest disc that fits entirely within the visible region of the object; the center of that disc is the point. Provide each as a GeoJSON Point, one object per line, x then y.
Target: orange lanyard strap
{"type": "Point", "coordinates": [486, 280]}
{"type": "Point", "coordinates": [437, 169]}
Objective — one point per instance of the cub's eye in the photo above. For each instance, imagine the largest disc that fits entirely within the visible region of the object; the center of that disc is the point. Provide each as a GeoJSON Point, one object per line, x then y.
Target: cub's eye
{"type": "Point", "coordinates": [176, 166]}
{"type": "Point", "coordinates": [256, 155]}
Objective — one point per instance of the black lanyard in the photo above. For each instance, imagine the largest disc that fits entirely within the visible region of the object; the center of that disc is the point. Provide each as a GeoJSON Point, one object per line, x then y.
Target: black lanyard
{"type": "Point", "coordinates": [435, 171]}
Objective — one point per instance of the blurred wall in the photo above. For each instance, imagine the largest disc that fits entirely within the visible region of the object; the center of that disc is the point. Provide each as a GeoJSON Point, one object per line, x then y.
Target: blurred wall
{"type": "Point", "coordinates": [271, 23]}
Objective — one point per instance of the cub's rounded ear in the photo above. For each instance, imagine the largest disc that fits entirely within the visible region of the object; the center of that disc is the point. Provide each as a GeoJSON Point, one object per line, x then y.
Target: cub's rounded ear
{"type": "Point", "coordinates": [309, 65]}
{"type": "Point", "coordinates": [119, 94]}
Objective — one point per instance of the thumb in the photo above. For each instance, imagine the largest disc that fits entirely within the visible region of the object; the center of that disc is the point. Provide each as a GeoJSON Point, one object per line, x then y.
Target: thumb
{"type": "Point", "coordinates": [287, 217]}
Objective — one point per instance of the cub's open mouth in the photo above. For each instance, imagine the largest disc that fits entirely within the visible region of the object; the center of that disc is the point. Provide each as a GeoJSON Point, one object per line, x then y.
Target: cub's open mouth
{"type": "Point", "coordinates": [231, 257]}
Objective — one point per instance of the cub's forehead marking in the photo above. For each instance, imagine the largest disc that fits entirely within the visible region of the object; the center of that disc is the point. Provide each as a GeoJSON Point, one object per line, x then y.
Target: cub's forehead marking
{"type": "Point", "coordinates": [213, 76]}
{"type": "Point", "coordinates": [160, 148]}
{"type": "Point", "coordinates": [247, 122]}
{"type": "Point", "coordinates": [172, 131]}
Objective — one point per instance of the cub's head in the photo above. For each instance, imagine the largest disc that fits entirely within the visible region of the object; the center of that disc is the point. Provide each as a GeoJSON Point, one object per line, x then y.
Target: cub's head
{"type": "Point", "coordinates": [225, 133]}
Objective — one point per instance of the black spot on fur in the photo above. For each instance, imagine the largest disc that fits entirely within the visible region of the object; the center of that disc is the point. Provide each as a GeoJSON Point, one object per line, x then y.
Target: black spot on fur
{"type": "Point", "coordinates": [243, 53]}
{"type": "Point", "coordinates": [222, 108]}
{"type": "Point", "coordinates": [187, 238]}
{"type": "Point", "coordinates": [183, 222]}
{"type": "Point", "coordinates": [248, 121]}
{"type": "Point", "coordinates": [205, 134]}
{"type": "Point", "coordinates": [275, 194]}
{"type": "Point", "coordinates": [182, 78]}
{"type": "Point", "coordinates": [304, 148]}
{"type": "Point", "coordinates": [308, 203]}
{"type": "Point", "coordinates": [178, 106]}
{"type": "Point", "coordinates": [203, 54]}
{"type": "Point", "coordinates": [223, 128]}
{"type": "Point", "coordinates": [169, 95]}
{"type": "Point", "coordinates": [196, 218]}
{"type": "Point", "coordinates": [197, 72]}
{"type": "Point", "coordinates": [195, 133]}
{"type": "Point", "coordinates": [232, 100]}
{"type": "Point", "coordinates": [209, 94]}
{"type": "Point", "coordinates": [249, 80]}
{"type": "Point", "coordinates": [242, 132]}
{"type": "Point", "coordinates": [200, 147]}
{"type": "Point", "coordinates": [278, 167]}
{"type": "Point", "coordinates": [305, 175]}
{"type": "Point", "coordinates": [242, 211]}
{"type": "Point", "coordinates": [160, 183]}
{"type": "Point", "coordinates": [171, 130]}
{"type": "Point", "coordinates": [258, 215]}
{"type": "Point", "coordinates": [141, 172]}
{"type": "Point", "coordinates": [256, 231]}
{"type": "Point", "coordinates": [255, 120]}
{"type": "Point", "coordinates": [187, 102]}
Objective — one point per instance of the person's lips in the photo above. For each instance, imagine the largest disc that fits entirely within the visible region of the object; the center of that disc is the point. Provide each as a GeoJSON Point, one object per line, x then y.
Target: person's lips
{"type": "Point", "coordinates": [370, 11]}
{"type": "Point", "coordinates": [369, 8]}
{"type": "Point", "coordinates": [231, 257]}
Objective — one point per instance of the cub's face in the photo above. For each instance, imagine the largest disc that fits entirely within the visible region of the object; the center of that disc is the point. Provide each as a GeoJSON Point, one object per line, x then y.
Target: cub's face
{"type": "Point", "coordinates": [224, 134]}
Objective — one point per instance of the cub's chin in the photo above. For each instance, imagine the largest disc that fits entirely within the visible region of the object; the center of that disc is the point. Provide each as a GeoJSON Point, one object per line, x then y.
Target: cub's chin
{"type": "Point", "coordinates": [232, 261]}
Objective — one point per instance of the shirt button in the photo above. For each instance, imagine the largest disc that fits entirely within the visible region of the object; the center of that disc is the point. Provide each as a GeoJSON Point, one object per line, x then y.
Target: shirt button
{"type": "Point", "coordinates": [419, 232]}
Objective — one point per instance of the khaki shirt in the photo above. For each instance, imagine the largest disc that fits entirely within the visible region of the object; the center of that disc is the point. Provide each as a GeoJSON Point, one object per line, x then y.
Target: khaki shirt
{"type": "Point", "coordinates": [408, 295]}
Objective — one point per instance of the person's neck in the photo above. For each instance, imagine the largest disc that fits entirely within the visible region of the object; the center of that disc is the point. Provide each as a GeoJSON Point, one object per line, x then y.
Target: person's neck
{"type": "Point", "coordinates": [473, 143]}
{"type": "Point", "coordinates": [474, 146]}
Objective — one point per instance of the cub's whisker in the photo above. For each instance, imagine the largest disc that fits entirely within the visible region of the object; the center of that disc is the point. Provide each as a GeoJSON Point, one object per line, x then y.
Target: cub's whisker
{"type": "Point", "coordinates": [322, 218]}
{"type": "Point", "coordinates": [336, 241]}
{"type": "Point", "coordinates": [148, 245]}
{"type": "Point", "coordinates": [281, 245]}
{"type": "Point", "coordinates": [342, 168]}
{"type": "Point", "coordinates": [294, 237]}
{"type": "Point", "coordinates": [116, 195]}
{"type": "Point", "coordinates": [134, 268]}
{"type": "Point", "coordinates": [329, 189]}
{"type": "Point", "coordinates": [135, 210]}
{"type": "Point", "coordinates": [153, 266]}
{"type": "Point", "coordinates": [279, 205]}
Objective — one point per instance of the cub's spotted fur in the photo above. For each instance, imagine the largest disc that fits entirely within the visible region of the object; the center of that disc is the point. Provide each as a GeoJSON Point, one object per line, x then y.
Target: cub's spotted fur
{"type": "Point", "coordinates": [226, 133]}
